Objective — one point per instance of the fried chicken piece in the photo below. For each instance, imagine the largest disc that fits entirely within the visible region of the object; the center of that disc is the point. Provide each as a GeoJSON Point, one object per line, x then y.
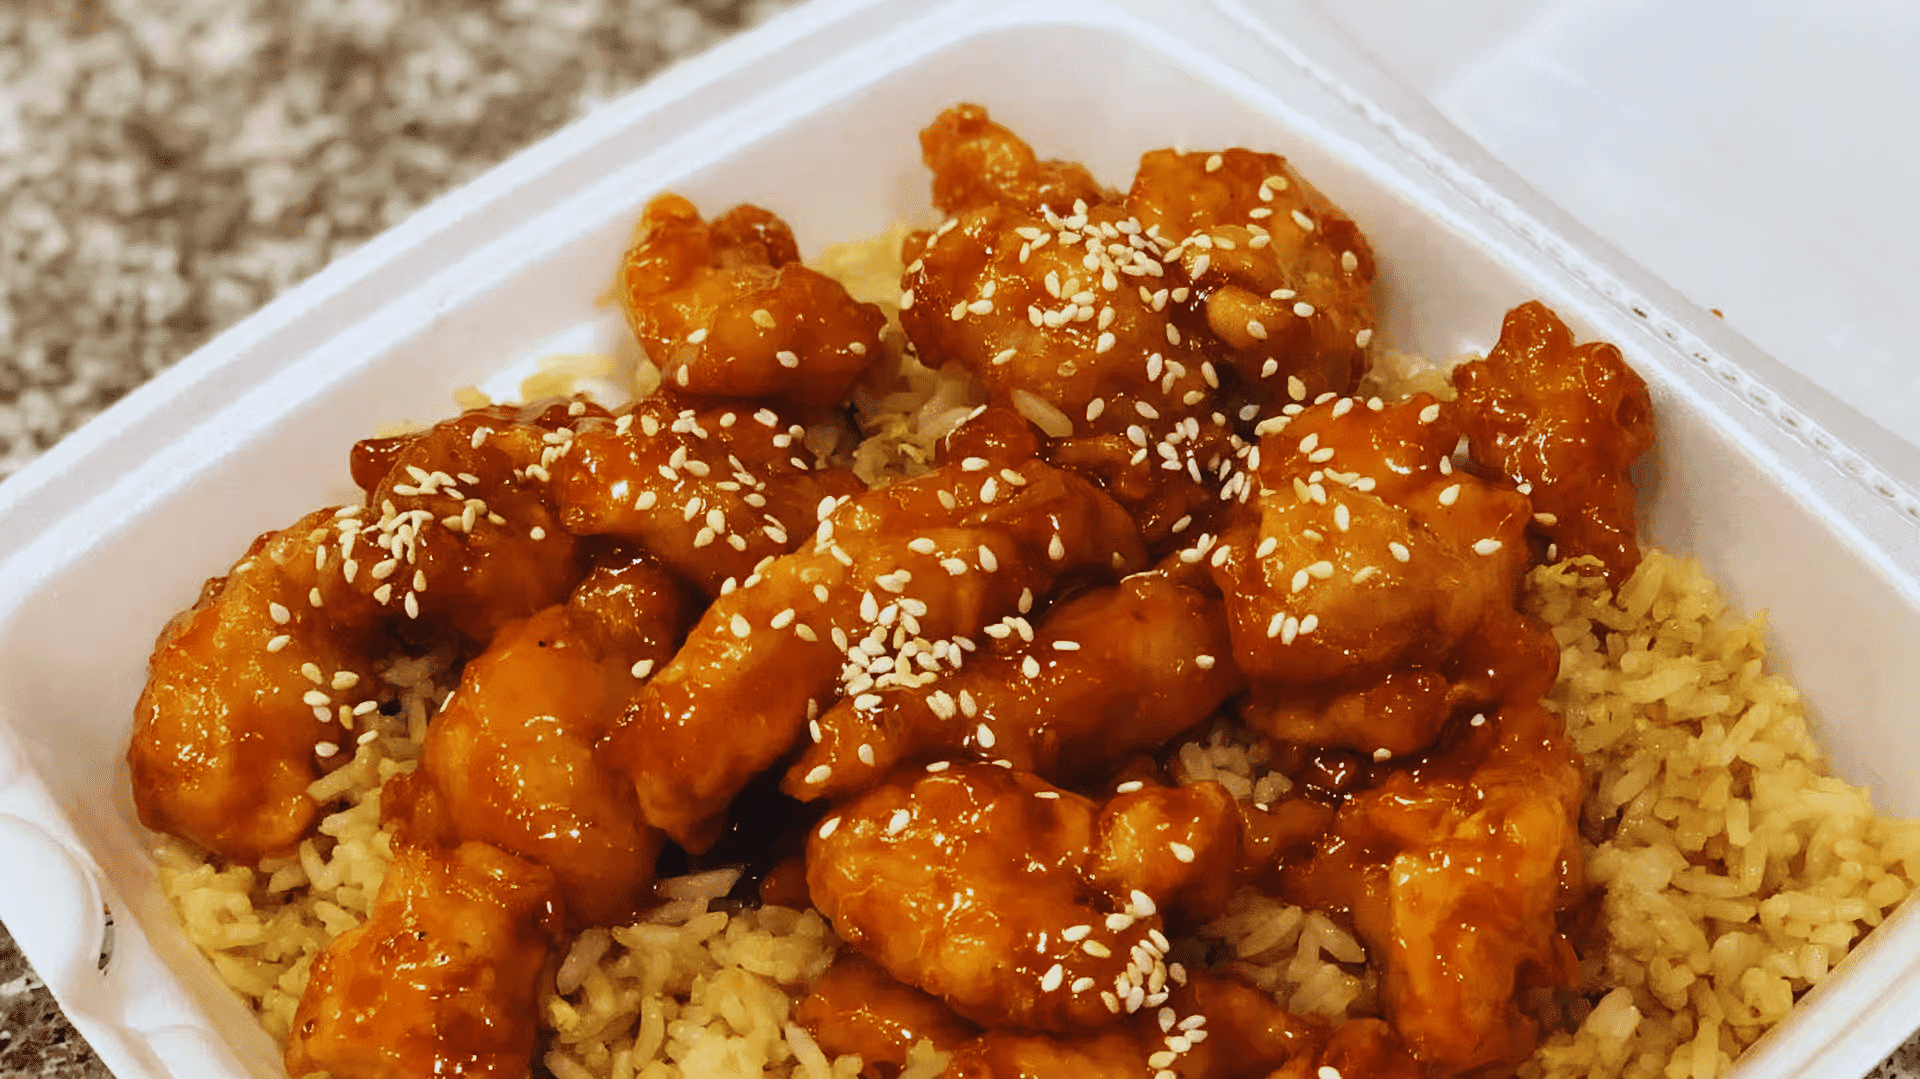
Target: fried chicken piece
{"type": "Point", "coordinates": [1109, 674]}
{"type": "Point", "coordinates": [243, 689]}
{"type": "Point", "coordinates": [858, 1008]}
{"type": "Point", "coordinates": [1065, 311]}
{"type": "Point", "coordinates": [1373, 587]}
{"type": "Point", "coordinates": [510, 756]}
{"type": "Point", "coordinates": [1569, 420]}
{"type": "Point", "coordinates": [1283, 274]}
{"type": "Point", "coordinates": [977, 162]}
{"type": "Point", "coordinates": [442, 978]}
{"type": "Point", "coordinates": [903, 576]}
{"type": "Point", "coordinates": [711, 491]}
{"type": "Point", "coordinates": [1455, 871]}
{"type": "Point", "coordinates": [1211, 1028]}
{"type": "Point", "coordinates": [727, 310]}
{"type": "Point", "coordinates": [245, 693]}
{"type": "Point", "coordinates": [981, 885]}
{"type": "Point", "coordinates": [460, 528]}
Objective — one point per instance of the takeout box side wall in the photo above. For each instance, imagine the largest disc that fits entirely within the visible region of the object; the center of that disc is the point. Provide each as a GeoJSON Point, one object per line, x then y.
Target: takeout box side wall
{"type": "Point", "coordinates": [1099, 94]}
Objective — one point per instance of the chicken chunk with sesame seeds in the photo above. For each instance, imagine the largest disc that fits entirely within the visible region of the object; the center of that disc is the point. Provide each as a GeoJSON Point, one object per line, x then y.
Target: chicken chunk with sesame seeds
{"type": "Point", "coordinates": [510, 756]}
{"type": "Point", "coordinates": [978, 884]}
{"type": "Point", "coordinates": [858, 1008]}
{"type": "Point", "coordinates": [1283, 275]}
{"type": "Point", "coordinates": [712, 491]}
{"type": "Point", "coordinates": [1211, 1027]}
{"type": "Point", "coordinates": [247, 693]}
{"type": "Point", "coordinates": [727, 310]}
{"type": "Point", "coordinates": [1568, 420]}
{"type": "Point", "coordinates": [977, 162]}
{"type": "Point", "coordinates": [1105, 676]}
{"type": "Point", "coordinates": [895, 579]}
{"type": "Point", "coordinates": [1181, 845]}
{"type": "Point", "coordinates": [1455, 870]}
{"type": "Point", "coordinates": [460, 527]}
{"type": "Point", "coordinates": [441, 979]}
{"type": "Point", "coordinates": [1068, 313]}
{"type": "Point", "coordinates": [1370, 583]}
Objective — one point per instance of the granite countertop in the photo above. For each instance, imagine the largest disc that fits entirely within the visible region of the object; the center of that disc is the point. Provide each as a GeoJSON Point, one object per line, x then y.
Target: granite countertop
{"type": "Point", "coordinates": [167, 166]}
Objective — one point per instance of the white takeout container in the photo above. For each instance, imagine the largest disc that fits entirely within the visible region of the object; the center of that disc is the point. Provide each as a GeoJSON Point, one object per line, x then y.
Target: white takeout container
{"type": "Point", "coordinates": [815, 116]}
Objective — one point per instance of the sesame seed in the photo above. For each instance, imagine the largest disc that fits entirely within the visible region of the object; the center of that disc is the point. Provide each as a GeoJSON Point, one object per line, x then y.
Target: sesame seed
{"type": "Point", "coordinates": [1479, 720]}
{"type": "Point", "coordinates": [1430, 413]}
{"type": "Point", "coordinates": [1103, 344]}
{"type": "Point", "coordinates": [1142, 903]}
{"type": "Point", "coordinates": [1400, 552]}
{"type": "Point", "coordinates": [279, 642]}
{"type": "Point", "coordinates": [740, 626]}
{"type": "Point", "coordinates": [1181, 851]}
{"type": "Point", "coordinates": [641, 668]}
{"type": "Point", "coordinates": [1096, 949]}
{"type": "Point", "coordinates": [1056, 549]}
{"type": "Point", "coordinates": [831, 824]}
{"type": "Point", "coordinates": [1547, 519]}
{"type": "Point", "coordinates": [412, 605]}
{"type": "Point", "coordinates": [1052, 979]}
{"type": "Point", "coordinates": [324, 750]}
{"type": "Point", "coordinates": [786, 359]}
{"type": "Point", "coordinates": [819, 774]}
{"type": "Point", "coordinates": [898, 822]}
{"type": "Point", "coordinates": [1303, 221]}
{"type": "Point", "coordinates": [1129, 787]}
{"type": "Point", "coordinates": [1362, 338]}
{"type": "Point", "coordinates": [1066, 646]}
{"type": "Point", "coordinates": [1081, 985]}
{"type": "Point", "coordinates": [1258, 331]}
{"type": "Point", "coordinates": [1486, 546]}
{"type": "Point", "coordinates": [1303, 309]}
{"type": "Point", "coordinates": [1450, 495]}
{"type": "Point", "coordinates": [279, 614]}
{"type": "Point", "coordinates": [1213, 163]}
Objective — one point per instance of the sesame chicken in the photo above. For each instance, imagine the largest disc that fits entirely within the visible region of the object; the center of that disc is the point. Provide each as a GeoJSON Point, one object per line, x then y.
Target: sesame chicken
{"type": "Point", "coordinates": [712, 491]}
{"type": "Point", "coordinates": [442, 978]}
{"type": "Point", "coordinates": [858, 1008]}
{"type": "Point", "coordinates": [981, 886]}
{"type": "Point", "coordinates": [1067, 312]}
{"type": "Point", "coordinates": [1455, 871]}
{"type": "Point", "coordinates": [1283, 275]}
{"type": "Point", "coordinates": [768, 655]}
{"type": "Point", "coordinates": [1371, 581]}
{"type": "Point", "coordinates": [509, 760]}
{"type": "Point", "coordinates": [1568, 420]}
{"type": "Point", "coordinates": [1107, 675]}
{"type": "Point", "coordinates": [460, 527]}
{"type": "Point", "coordinates": [725, 309]}
{"type": "Point", "coordinates": [976, 161]}
{"type": "Point", "coordinates": [243, 691]}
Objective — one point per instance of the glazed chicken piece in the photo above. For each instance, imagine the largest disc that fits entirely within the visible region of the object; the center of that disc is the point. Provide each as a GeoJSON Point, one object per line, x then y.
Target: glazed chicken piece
{"type": "Point", "coordinates": [1210, 1028]}
{"type": "Point", "coordinates": [1066, 311]}
{"type": "Point", "coordinates": [1454, 871]}
{"type": "Point", "coordinates": [510, 756]}
{"type": "Point", "coordinates": [980, 885]}
{"type": "Point", "coordinates": [1107, 675]}
{"type": "Point", "coordinates": [460, 528]}
{"type": "Point", "coordinates": [711, 491]}
{"type": "Point", "coordinates": [976, 162]}
{"type": "Point", "coordinates": [250, 692]}
{"type": "Point", "coordinates": [1568, 420]}
{"type": "Point", "coordinates": [895, 580]}
{"type": "Point", "coordinates": [442, 978]}
{"type": "Point", "coordinates": [1283, 275]}
{"type": "Point", "coordinates": [858, 1008]}
{"type": "Point", "coordinates": [1373, 586]}
{"type": "Point", "coordinates": [727, 310]}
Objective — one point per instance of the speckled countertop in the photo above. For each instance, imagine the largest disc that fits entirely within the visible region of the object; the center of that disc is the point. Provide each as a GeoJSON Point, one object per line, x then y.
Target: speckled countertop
{"type": "Point", "coordinates": [167, 166]}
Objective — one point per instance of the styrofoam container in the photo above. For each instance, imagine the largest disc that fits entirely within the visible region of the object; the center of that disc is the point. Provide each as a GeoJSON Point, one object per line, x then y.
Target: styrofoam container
{"type": "Point", "coordinates": [815, 116]}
